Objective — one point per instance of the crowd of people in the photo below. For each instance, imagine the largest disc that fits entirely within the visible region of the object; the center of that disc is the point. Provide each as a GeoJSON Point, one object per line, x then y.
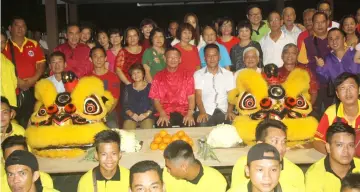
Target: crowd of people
{"type": "Point", "coordinates": [182, 78]}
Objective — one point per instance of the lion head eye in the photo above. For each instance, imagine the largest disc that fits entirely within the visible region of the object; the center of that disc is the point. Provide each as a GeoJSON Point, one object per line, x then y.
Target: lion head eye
{"type": "Point", "coordinates": [247, 102]}
{"type": "Point", "coordinates": [42, 111]}
{"type": "Point", "coordinates": [301, 103]}
{"type": "Point", "coordinates": [92, 106]}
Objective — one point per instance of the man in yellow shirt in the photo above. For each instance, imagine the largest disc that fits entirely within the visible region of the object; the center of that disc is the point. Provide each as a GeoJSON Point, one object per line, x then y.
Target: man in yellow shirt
{"type": "Point", "coordinates": [263, 167]}
{"type": "Point", "coordinates": [22, 171]}
{"type": "Point", "coordinates": [146, 176]}
{"type": "Point", "coordinates": [326, 174]}
{"type": "Point", "coordinates": [274, 133]}
{"type": "Point", "coordinates": [8, 80]}
{"type": "Point", "coordinates": [184, 173]}
{"type": "Point", "coordinates": [108, 176]}
{"type": "Point", "coordinates": [7, 114]}
{"type": "Point", "coordinates": [12, 144]}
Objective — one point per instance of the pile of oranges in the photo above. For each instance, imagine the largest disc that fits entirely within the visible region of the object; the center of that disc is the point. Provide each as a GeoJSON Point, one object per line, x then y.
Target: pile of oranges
{"type": "Point", "coordinates": [163, 139]}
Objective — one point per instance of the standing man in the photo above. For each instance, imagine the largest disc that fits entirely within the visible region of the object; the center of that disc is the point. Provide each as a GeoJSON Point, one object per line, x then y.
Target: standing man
{"type": "Point", "coordinates": [259, 27]}
{"type": "Point", "coordinates": [77, 54]}
{"type": "Point", "coordinates": [289, 27]}
{"type": "Point", "coordinates": [173, 26]}
{"type": "Point", "coordinates": [325, 7]}
{"type": "Point", "coordinates": [307, 17]}
{"type": "Point", "coordinates": [212, 84]}
{"type": "Point", "coordinates": [29, 61]}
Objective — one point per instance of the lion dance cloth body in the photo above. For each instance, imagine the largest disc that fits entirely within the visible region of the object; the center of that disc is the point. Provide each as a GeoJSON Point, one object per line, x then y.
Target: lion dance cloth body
{"type": "Point", "coordinates": [64, 124]}
{"type": "Point", "coordinates": [257, 99]}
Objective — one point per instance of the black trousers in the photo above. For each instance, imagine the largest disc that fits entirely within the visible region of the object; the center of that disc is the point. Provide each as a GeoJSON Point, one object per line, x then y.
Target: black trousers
{"type": "Point", "coordinates": [323, 101]}
{"type": "Point", "coordinates": [218, 117]}
{"type": "Point", "coordinates": [24, 111]}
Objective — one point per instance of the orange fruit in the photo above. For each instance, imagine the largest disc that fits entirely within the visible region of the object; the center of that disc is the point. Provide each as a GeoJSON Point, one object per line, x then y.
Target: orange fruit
{"type": "Point", "coordinates": [163, 133]}
{"type": "Point", "coordinates": [174, 138]}
{"type": "Point", "coordinates": [180, 133]}
{"type": "Point", "coordinates": [167, 139]}
{"type": "Point", "coordinates": [185, 138]}
{"type": "Point", "coordinates": [162, 146]}
{"type": "Point", "coordinates": [154, 146]}
{"type": "Point", "coordinates": [158, 139]}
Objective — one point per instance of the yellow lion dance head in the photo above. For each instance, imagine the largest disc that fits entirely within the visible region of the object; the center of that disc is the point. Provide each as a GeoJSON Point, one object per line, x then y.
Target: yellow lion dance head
{"type": "Point", "coordinates": [288, 102]}
{"type": "Point", "coordinates": [64, 124]}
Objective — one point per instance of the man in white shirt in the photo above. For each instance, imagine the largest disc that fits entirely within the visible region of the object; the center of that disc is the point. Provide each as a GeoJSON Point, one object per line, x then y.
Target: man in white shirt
{"type": "Point", "coordinates": [212, 84]}
{"type": "Point", "coordinates": [251, 58]}
{"type": "Point", "coordinates": [273, 43]}
{"type": "Point", "coordinates": [289, 27]}
{"type": "Point", "coordinates": [57, 65]}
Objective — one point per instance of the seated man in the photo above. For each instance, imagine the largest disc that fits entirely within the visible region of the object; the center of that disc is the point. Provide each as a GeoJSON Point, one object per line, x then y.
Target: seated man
{"type": "Point", "coordinates": [57, 66]}
{"type": "Point", "coordinates": [212, 84]}
{"type": "Point", "coordinates": [146, 176]}
{"type": "Point", "coordinates": [184, 173]}
{"type": "Point", "coordinates": [351, 183]}
{"type": "Point", "coordinates": [289, 56]}
{"type": "Point", "coordinates": [7, 114]}
{"type": "Point", "coordinates": [251, 58]}
{"type": "Point", "coordinates": [109, 176]}
{"type": "Point", "coordinates": [274, 133]}
{"type": "Point", "coordinates": [12, 144]}
{"type": "Point", "coordinates": [22, 169]}
{"type": "Point", "coordinates": [111, 81]}
{"type": "Point", "coordinates": [263, 167]}
{"type": "Point", "coordinates": [173, 93]}
{"type": "Point", "coordinates": [326, 174]}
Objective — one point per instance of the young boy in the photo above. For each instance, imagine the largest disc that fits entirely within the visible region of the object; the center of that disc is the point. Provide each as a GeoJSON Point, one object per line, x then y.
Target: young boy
{"type": "Point", "coordinates": [8, 146]}
{"type": "Point", "coordinates": [146, 176]}
{"type": "Point", "coordinates": [7, 114]}
{"type": "Point", "coordinates": [109, 176]}
{"type": "Point", "coordinates": [57, 65]}
{"type": "Point", "coordinates": [111, 80]}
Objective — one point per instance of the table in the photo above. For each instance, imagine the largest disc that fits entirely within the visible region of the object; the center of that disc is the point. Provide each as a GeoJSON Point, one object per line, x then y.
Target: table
{"type": "Point", "coordinates": [227, 157]}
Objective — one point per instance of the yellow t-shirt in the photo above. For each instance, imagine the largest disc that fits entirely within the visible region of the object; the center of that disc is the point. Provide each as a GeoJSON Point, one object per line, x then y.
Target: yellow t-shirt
{"type": "Point", "coordinates": [244, 188]}
{"type": "Point", "coordinates": [320, 178]}
{"type": "Point", "coordinates": [290, 175]}
{"type": "Point", "coordinates": [8, 80]}
{"type": "Point", "coordinates": [16, 130]}
{"type": "Point", "coordinates": [211, 181]}
{"type": "Point", "coordinates": [45, 179]}
{"type": "Point", "coordinates": [119, 182]}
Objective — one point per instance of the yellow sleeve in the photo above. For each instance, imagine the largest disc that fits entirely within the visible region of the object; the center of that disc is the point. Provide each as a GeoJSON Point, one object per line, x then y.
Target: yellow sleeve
{"type": "Point", "coordinates": [46, 180]}
{"type": "Point", "coordinates": [238, 173]}
{"type": "Point", "coordinates": [313, 181]}
{"type": "Point", "coordinates": [302, 58]}
{"type": "Point", "coordinates": [85, 183]}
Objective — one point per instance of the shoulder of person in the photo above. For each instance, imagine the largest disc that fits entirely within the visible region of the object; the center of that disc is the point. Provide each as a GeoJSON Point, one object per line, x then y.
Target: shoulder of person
{"type": "Point", "coordinates": [292, 167]}
{"type": "Point", "coordinates": [33, 42]}
{"type": "Point", "coordinates": [316, 168]}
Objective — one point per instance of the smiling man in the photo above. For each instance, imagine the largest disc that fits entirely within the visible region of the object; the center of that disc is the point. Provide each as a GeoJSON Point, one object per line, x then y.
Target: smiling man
{"type": "Point", "coordinates": [289, 27]}
{"type": "Point", "coordinates": [108, 176]}
{"type": "Point", "coordinates": [146, 176]}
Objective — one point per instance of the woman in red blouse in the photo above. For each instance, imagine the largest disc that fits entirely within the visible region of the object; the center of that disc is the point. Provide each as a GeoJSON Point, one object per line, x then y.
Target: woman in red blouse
{"type": "Point", "coordinates": [190, 59]}
{"type": "Point", "coordinates": [129, 55]}
{"type": "Point", "coordinates": [226, 34]}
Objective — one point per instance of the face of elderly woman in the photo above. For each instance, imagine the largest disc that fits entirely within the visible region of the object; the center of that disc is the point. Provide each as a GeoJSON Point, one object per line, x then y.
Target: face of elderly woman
{"type": "Point", "coordinates": [251, 59]}
{"type": "Point", "coordinates": [348, 92]}
{"type": "Point", "coordinates": [290, 58]}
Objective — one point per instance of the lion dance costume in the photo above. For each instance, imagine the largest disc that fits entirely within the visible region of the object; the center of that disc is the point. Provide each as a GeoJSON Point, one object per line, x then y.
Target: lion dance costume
{"type": "Point", "coordinates": [262, 96]}
{"type": "Point", "coordinates": [64, 124]}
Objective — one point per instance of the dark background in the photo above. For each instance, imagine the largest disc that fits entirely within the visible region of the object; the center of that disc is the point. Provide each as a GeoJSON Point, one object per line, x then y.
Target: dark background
{"type": "Point", "coordinates": [106, 16]}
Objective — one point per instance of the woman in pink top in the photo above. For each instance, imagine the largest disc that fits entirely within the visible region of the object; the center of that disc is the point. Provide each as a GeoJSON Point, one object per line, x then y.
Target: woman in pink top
{"type": "Point", "coordinates": [226, 34]}
{"type": "Point", "coordinates": [190, 59]}
{"type": "Point", "coordinates": [103, 39]}
{"type": "Point", "coordinates": [115, 40]}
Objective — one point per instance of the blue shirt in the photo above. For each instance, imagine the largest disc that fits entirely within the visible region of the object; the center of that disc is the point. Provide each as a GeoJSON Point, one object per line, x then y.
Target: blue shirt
{"type": "Point", "coordinates": [224, 56]}
{"type": "Point", "coordinates": [334, 66]}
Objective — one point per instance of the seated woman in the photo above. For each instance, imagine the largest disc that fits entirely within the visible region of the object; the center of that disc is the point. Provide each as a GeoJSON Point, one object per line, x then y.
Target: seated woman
{"type": "Point", "coordinates": [346, 109]}
{"type": "Point", "coordinates": [138, 107]}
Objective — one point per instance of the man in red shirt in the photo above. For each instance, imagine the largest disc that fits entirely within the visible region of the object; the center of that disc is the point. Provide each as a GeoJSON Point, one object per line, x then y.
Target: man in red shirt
{"type": "Point", "coordinates": [110, 79]}
{"type": "Point", "coordinates": [77, 54]}
{"type": "Point", "coordinates": [307, 17]}
{"type": "Point", "coordinates": [29, 61]}
{"type": "Point", "coordinates": [173, 92]}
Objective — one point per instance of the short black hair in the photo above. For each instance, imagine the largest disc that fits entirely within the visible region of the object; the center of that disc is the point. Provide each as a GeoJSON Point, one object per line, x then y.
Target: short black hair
{"type": "Point", "coordinates": [106, 136]}
{"type": "Point", "coordinates": [338, 127]}
{"type": "Point", "coordinates": [251, 7]}
{"type": "Point", "coordinates": [172, 49]}
{"type": "Point", "coordinates": [244, 24]}
{"type": "Point", "coordinates": [179, 150]}
{"type": "Point", "coordinates": [72, 25]}
{"type": "Point", "coordinates": [58, 54]}
{"type": "Point", "coordinates": [144, 166]}
{"type": "Point", "coordinates": [212, 27]}
{"type": "Point", "coordinates": [82, 27]}
{"type": "Point", "coordinates": [153, 32]}
{"type": "Point", "coordinates": [137, 66]}
{"type": "Point", "coordinates": [97, 47]}
{"type": "Point", "coordinates": [14, 141]}
{"type": "Point", "coordinates": [351, 181]}
{"type": "Point", "coordinates": [212, 46]}
{"type": "Point", "coordinates": [261, 128]}
{"type": "Point", "coordinates": [323, 2]}
{"type": "Point", "coordinates": [343, 77]}
{"type": "Point", "coordinates": [147, 21]}
{"type": "Point", "coordinates": [183, 27]}
{"type": "Point", "coordinates": [5, 101]}
{"type": "Point", "coordinates": [273, 12]}
{"type": "Point", "coordinates": [319, 13]}
{"type": "Point", "coordinates": [115, 31]}
{"type": "Point", "coordinates": [126, 34]}
{"type": "Point", "coordinates": [16, 18]}
{"type": "Point", "coordinates": [337, 29]}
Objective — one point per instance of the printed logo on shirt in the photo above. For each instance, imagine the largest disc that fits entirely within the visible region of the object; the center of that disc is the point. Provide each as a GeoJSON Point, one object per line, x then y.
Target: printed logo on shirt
{"type": "Point", "coordinates": [31, 53]}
